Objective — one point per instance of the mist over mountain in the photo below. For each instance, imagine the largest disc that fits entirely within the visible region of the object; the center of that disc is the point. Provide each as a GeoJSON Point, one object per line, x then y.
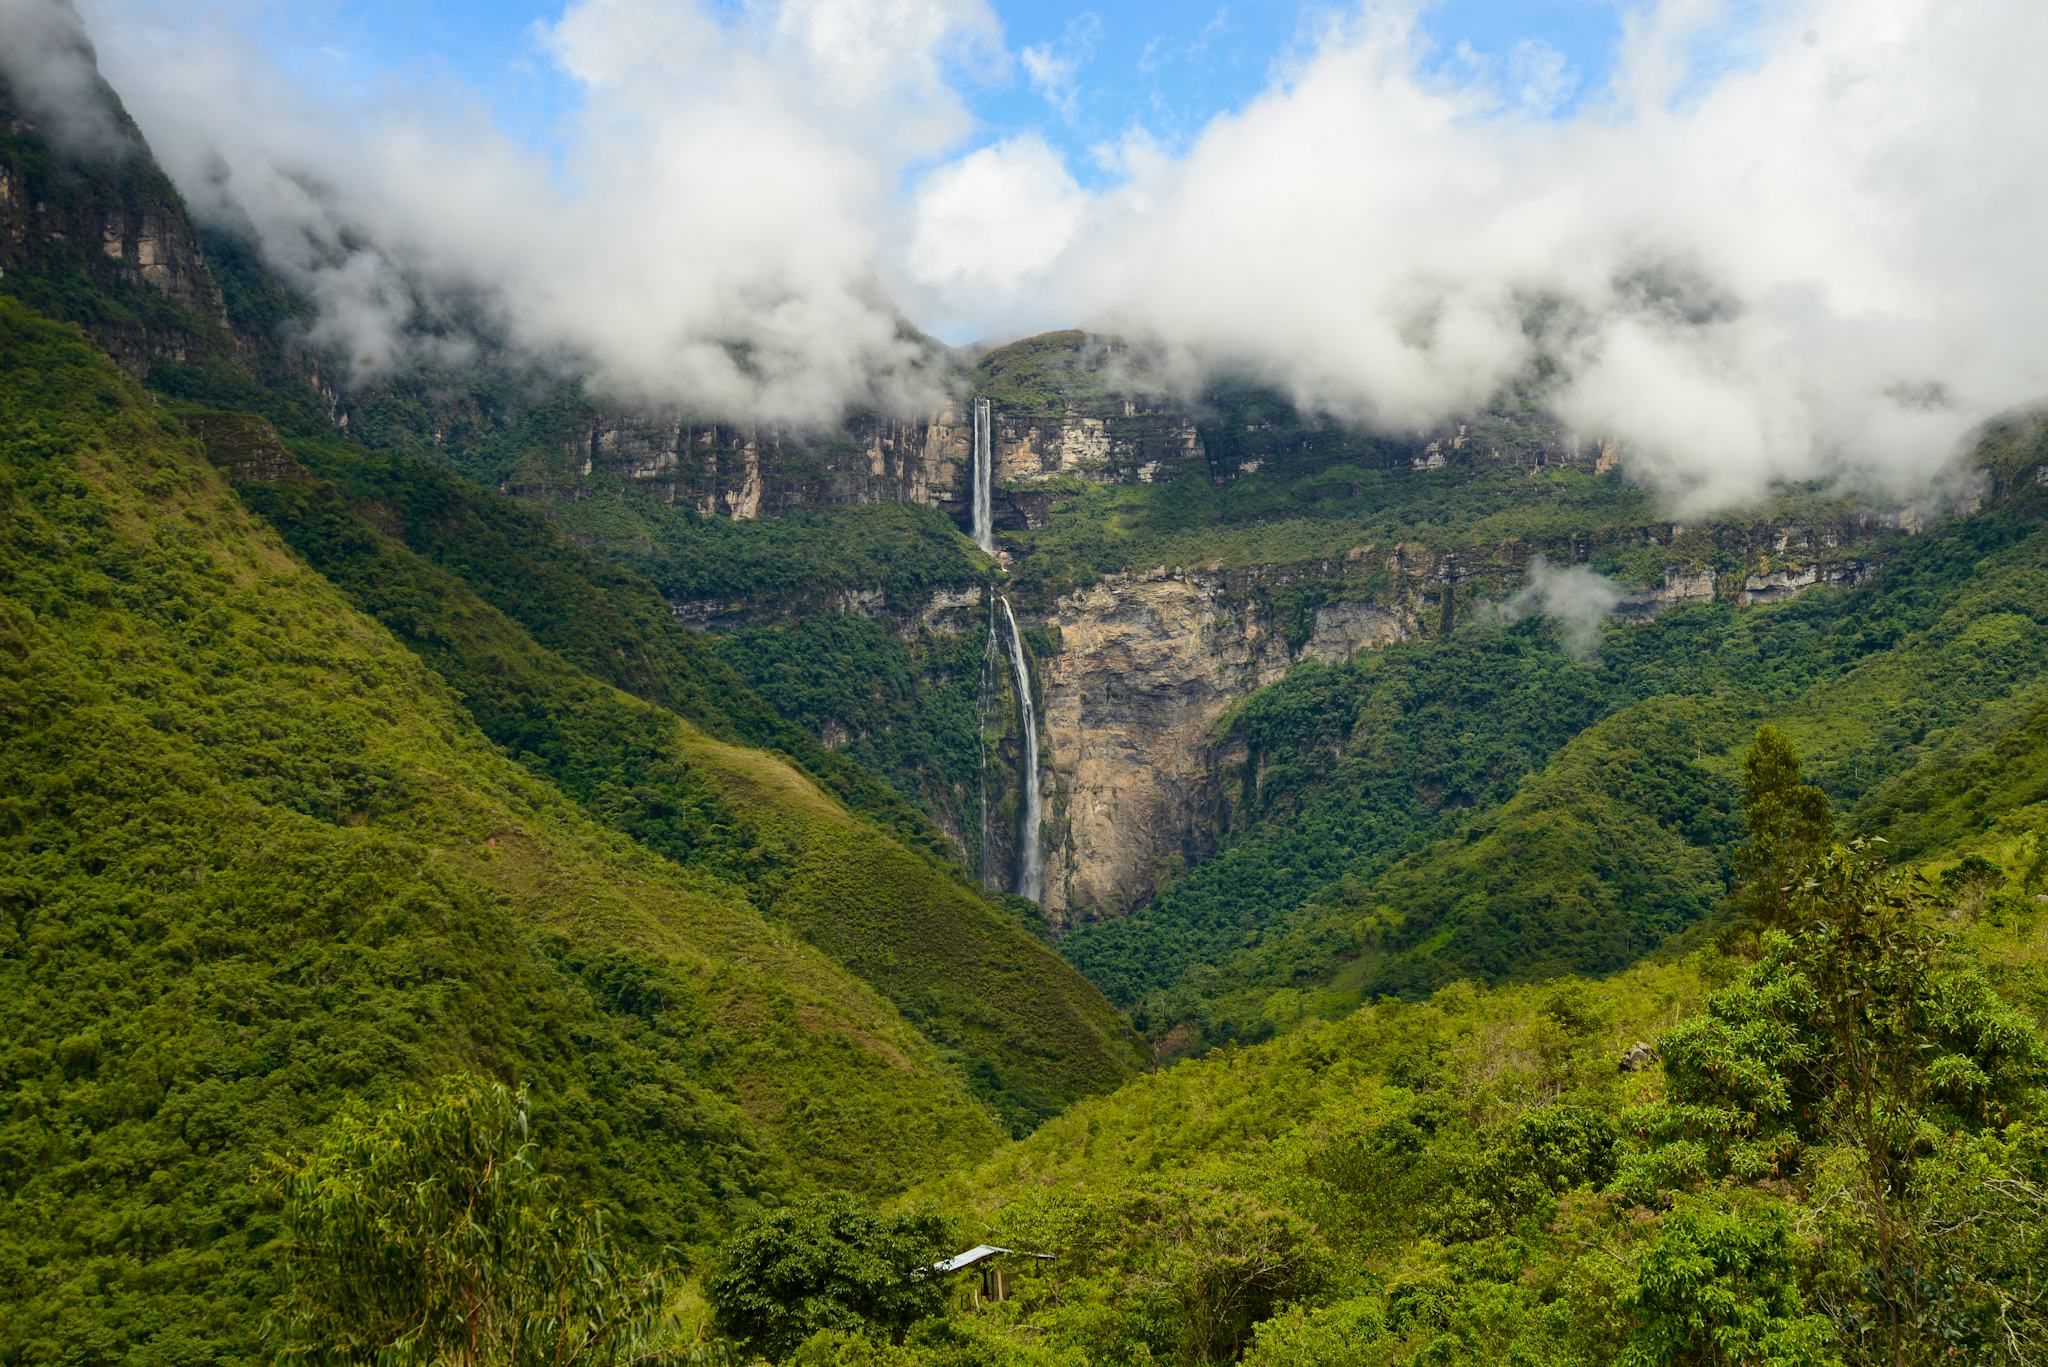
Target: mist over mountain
{"type": "Point", "coordinates": [1783, 243]}
{"type": "Point", "coordinates": [1460, 778]}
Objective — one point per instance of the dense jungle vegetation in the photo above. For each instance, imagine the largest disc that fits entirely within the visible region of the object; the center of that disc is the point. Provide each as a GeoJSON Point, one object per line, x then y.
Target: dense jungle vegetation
{"type": "Point", "coordinates": [262, 857]}
{"type": "Point", "coordinates": [1814, 1143]}
{"type": "Point", "coordinates": [1488, 805]}
{"type": "Point", "coordinates": [418, 947]}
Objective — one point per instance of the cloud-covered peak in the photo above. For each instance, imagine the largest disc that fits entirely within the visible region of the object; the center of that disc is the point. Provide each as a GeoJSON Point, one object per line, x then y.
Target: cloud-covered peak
{"type": "Point", "coordinates": [1782, 242]}
{"type": "Point", "coordinates": [1793, 250]}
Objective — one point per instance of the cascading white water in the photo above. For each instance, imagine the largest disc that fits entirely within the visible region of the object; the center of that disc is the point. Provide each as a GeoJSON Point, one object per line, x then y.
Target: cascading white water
{"type": "Point", "coordinates": [1030, 872]}
{"type": "Point", "coordinates": [988, 670]}
{"type": "Point", "coordinates": [1030, 875]}
{"type": "Point", "coordinates": [984, 478]}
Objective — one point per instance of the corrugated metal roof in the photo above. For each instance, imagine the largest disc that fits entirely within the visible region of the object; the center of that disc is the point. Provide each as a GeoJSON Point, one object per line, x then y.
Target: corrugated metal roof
{"type": "Point", "coordinates": [980, 1253]}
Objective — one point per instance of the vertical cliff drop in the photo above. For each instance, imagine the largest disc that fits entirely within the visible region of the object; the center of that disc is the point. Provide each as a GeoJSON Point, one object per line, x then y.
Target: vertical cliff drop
{"type": "Point", "coordinates": [984, 478]}
{"type": "Point", "coordinates": [1030, 859]}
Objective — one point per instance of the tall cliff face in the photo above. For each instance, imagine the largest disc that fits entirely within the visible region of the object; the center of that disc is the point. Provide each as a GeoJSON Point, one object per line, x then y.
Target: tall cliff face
{"type": "Point", "coordinates": [109, 222]}
{"type": "Point", "coordinates": [1114, 440]}
{"type": "Point", "coordinates": [1135, 666]}
{"type": "Point", "coordinates": [1146, 664]}
{"type": "Point", "coordinates": [741, 472]}
{"type": "Point", "coordinates": [1047, 434]}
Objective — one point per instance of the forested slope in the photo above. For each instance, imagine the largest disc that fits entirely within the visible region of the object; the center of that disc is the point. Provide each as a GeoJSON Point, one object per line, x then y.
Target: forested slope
{"type": "Point", "coordinates": [1491, 805]}
{"type": "Point", "coordinates": [260, 857]}
{"type": "Point", "coordinates": [1470, 1179]}
{"type": "Point", "coordinates": [1817, 1141]}
{"type": "Point", "coordinates": [1008, 1010]}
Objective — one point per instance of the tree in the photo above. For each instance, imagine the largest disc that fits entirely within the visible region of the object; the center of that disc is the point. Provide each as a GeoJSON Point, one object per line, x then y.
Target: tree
{"type": "Point", "coordinates": [828, 1264]}
{"type": "Point", "coordinates": [1854, 1048]}
{"type": "Point", "coordinates": [426, 1233]}
{"type": "Point", "coordinates": [1789, 824]}
{"type": "Point", "coordinates": [1230, 1261]}
{"type": "Point", "coordinates": [1917, 1045]}
{"type": "Point", "coordinates": [1721, 1286]}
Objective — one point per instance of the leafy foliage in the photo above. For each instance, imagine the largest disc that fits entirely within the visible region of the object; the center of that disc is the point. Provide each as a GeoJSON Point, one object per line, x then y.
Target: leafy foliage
{"type": "Point", "coordinates": [1023, 1027]}
{"type": "Point", "coordinates": [828, 1264]}
{"type": "Point", "coordinates": [1815, 1176]}
{"type": "Point", "coordinates": [1789, 823]}
{"type": "Point", "coordinates": [427, 1233]}
{"type": "Point", "coordinates": [1485, 804]}
{"type": "Point", "coordinates": [903, 709]}
{"type": "Point", "coordinates": [259, 859]}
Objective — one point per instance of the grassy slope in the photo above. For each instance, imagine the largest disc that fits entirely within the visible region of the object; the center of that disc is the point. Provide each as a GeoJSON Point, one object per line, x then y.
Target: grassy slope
{"type": "Point", "coordinates": [1030, 1032]}
{"type": "Point", "coordinates": [1322, 890]}
{"type": "Point", "coordinates": [1360, 1132]}
{"type": "Point", "coordinates": [1984, 789]}
{"type": "Point", "coordinates": [905, 706]}
{"type": "Point", "coordinates": [257, 857]}
{"type": "Point", "coordinates": [603, 619]}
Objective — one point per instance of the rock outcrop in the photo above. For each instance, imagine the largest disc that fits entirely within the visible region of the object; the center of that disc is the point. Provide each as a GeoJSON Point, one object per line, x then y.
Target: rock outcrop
{"type": "Point", "coordinates": [245, 447]}
{"type": "Point", "coordinates": [108, 215]}
{"type": "Point", "coordinates": [1147, 664]}
{"type": "Point", "coordinates": [1145, 667]}
{"type": "Point", "coordinates": [740, 472]}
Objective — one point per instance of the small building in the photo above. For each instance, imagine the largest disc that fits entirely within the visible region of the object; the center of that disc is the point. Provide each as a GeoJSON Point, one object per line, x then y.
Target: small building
{"type": "Point", "coordinates": [998, 1277]}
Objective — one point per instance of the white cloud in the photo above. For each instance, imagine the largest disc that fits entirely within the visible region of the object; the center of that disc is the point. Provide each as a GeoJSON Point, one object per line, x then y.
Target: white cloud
{"type": "Point", "coordinates": [993, 219]}
{"type": "Point", "coordinates": [714, 238]}
{"type": "Point", "coordinates": [1742, 257]}
{"type": "Point", "coordinates": [1753, 257]}
{"type": "Point", "coordinates": [1576, 600]}
{"type": "Point", "coordinates": [1540, 77]}
{"type": "Point", "coordinates": [48, 62]}
{"type": "Point", "coordinates": [1053, 67]}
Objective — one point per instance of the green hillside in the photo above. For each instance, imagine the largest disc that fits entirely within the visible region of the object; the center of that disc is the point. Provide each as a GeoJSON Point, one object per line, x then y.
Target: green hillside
{"type": "Point", "coordinates": [420, 945]}
{"type": "Point", "coordinates": [1487, 805]}
{"type": "Point", "coordinates": [260, 857]}
{"type": "Point", "coordinates": [1502, 1175]}
{"type": "Point", "coordinates": [1007, 1010]}
{"type": "Point", "coordinates": [1470, 1179]}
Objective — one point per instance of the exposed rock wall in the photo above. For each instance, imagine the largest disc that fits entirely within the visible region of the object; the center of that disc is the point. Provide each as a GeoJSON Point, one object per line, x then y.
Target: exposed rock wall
{"type": "Point", "coordinates": [245, 447]}
{"type": "Point", "coordinates": [1146, 664]}
{"type": "Point", "coordinates": [1142, 665]}
{"type": "Point", "coordinates": [725, 470]}
{"type": "Point", "coordinates": [738, 471]}
{"type": "Point", "coordinates": [114, 218]}
{"type": "Point", "coordinates": [1113, 441]}
{"type": "Point", "coordinates": [1145, 667]}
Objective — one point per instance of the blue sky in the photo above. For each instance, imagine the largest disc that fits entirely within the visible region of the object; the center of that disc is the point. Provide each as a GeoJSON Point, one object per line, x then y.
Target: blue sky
{"type": "Point", "coordinates": [1170, 65]}
{"type": "Point", "coordinates": [1167, 66]}
{"type": "Point", "coordinates": [1365, 242]}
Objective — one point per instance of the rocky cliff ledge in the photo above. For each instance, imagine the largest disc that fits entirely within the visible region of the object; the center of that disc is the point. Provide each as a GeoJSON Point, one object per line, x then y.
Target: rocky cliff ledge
{"type": "Point", "coordinates": [1146, 664]}
{"type": "Point", "coordinates": [112, 218]}
{"type": "Point", "coordinates": [725, 470]}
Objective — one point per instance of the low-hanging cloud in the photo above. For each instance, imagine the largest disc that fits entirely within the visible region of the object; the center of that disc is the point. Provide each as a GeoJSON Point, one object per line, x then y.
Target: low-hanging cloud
{"type": "Point", "coordinates": [1575, 598]}
{"type": "Point", "coordinates": [1791, 242]}
{"type": "Point", "coordinates": [1786, 242]}
{"type": "Point", "coordinates": [46, 59]}
{"type": "Point", "coordinates": [711, 235]}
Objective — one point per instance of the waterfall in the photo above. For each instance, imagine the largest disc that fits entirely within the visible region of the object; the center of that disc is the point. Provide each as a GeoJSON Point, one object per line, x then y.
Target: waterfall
{"type": "Point", "coordinates": [1030, 876]}
{"type": "Point", "coordinates": [988, 673]}
{"type": "Point", "coordinates": [984, 478]}
{"type": "Point", "coordinates": [1030, 873]}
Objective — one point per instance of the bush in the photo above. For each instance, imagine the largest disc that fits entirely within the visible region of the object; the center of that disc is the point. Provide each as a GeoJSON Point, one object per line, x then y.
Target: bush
{"type": "Point", "coordinates": [426, 1233]}
{"type": "Point", "coordinates": [828, 1264]}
